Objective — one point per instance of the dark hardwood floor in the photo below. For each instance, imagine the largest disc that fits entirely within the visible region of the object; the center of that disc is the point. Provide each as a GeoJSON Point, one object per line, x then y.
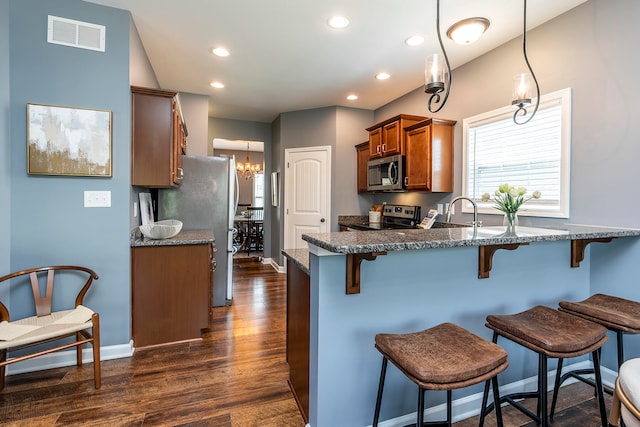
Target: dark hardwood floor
{"type": "Point", "coordinates": [235, 377]}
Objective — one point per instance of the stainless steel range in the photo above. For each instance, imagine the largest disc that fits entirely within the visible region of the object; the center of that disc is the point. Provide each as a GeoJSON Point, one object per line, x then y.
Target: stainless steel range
{"type": "Point", "coordinates": [400, 216]}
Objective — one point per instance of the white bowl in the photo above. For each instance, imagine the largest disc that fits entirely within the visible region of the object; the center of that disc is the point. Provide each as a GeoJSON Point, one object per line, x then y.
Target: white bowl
{"type": "Point", "coordinates": [161, 229]}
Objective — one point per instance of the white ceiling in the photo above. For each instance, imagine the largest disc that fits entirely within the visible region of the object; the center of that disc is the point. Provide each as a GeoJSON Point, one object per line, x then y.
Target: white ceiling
{"type": "Point", "coordinates": [285, 58]}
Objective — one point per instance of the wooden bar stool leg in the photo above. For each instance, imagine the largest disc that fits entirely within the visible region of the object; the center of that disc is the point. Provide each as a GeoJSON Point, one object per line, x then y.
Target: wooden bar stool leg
{"type": "Point", "coordinates": [383, 372]}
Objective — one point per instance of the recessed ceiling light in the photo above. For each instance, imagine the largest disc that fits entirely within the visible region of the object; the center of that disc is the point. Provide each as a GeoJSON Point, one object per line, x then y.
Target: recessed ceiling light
{"type": "Point", "coordinates": [217, 85]}
{"type": "Point", "coordinates": [414, 41]}
{"type": "Point", "coordinates": [352, 97]}
{"type": "Point", "coordinates": [383, 76]}
{"type": "Point", "coordinates": [468, 30]}
{"type": "Point", "coordinates": [220, 51]}
{"type": "Point", "coordinates": [338, 22]}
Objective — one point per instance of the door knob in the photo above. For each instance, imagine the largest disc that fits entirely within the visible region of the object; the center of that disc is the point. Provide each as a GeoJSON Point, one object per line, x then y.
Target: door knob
{"type": "Point", "coordinates": [321, 219]}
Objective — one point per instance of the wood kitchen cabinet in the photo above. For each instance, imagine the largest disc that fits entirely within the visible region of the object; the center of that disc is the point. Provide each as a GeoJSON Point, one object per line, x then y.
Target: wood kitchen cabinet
{"type": "Point", "coordinates": [159, 138]}
{"type": "Point", "coordinates": [388, 138]}
{"type": "Point", "coordinates": [172, 290]}
{"type": "Point", "coordinates": [362, 168]}
{"type": "Point", "coordinates": [429, 155]}
{"type": "Point", "coordinates": [298, 334]}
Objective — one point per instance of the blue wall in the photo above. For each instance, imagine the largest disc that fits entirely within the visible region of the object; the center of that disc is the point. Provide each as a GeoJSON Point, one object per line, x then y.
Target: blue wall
{"type": "Point", "coordinates": [49, 224]}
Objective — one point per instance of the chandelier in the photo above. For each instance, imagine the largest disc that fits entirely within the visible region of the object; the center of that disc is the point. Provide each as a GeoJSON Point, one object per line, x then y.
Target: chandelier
{"type": "Point", "coordinates": [246, 170]}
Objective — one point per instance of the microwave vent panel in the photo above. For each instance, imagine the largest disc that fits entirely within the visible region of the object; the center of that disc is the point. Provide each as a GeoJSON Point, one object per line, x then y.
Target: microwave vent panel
{"type": "Point", "coordinates": [69, 32]}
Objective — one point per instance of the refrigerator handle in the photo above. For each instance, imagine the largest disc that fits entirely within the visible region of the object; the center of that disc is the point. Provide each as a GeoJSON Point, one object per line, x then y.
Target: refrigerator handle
{"type": "Point", "coordinates": [235, 174]}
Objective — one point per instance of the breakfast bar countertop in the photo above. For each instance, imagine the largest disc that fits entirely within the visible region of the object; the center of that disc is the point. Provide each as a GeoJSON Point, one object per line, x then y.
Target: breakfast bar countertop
{"type": "Point", "coordinates": [416, 239]}
{"type": "Point", "coordinates": [299, 257]}
{"type": "Point", "coordinates": [185, 237]}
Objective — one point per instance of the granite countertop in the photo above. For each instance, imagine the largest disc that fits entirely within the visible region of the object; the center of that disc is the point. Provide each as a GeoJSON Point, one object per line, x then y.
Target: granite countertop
{"type": "Point", "coordinates": [299, 257]}
{"type": "Point", "coordinates": [416, 239]}
{"type": "Point", "coordinates": [185, 237]}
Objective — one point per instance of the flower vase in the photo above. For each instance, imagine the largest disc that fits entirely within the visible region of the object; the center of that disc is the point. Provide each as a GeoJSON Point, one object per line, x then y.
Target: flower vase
{"type": "Point", "coordinates": [510, 221]}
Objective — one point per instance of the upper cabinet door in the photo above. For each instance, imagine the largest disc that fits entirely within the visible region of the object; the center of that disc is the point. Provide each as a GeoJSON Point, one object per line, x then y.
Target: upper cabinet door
{"type": "Point", "coordinates": [387, 138]}
{"type": "Point", "coordinates": [158, 138]}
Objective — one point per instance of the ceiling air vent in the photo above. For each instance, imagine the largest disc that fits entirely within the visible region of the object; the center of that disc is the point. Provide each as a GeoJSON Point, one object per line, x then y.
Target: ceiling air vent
{"type": "Point", "coordinates": [75, 33]}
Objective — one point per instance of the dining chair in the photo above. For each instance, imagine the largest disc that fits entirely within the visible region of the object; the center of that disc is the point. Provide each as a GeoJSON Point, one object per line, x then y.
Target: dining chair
{"type": "Point", "coordinates": [255, 229]}
{"type": "Point", "coordinates": [57, 315]}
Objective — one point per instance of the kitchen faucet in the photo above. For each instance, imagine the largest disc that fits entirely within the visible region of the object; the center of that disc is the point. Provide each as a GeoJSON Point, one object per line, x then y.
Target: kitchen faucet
{"type": "Point", "coordinates": [475, 222]}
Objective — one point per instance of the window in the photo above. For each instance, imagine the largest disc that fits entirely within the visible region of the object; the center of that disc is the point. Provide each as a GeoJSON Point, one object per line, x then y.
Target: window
{"type": "Point", "coordinates": [258, 189]}
{"type": "Point", "coordinates": [535, 155]}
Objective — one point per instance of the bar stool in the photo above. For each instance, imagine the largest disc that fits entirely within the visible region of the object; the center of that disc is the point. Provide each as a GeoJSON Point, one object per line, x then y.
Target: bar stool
{"type": "Point", "coordinates": [618, 315]}
{"type": "Point", "coordinates": [551, 334]}
{"type": "Point", "coordinates": [444, 357]}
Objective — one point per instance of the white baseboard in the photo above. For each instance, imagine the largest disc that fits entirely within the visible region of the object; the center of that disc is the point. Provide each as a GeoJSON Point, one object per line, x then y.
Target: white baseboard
{"type": "Point", "coordinates": [469, 406]}
{"type": "Point", "coordinates": [274, 264]}
{"type": "Point", "coordinates": [68, 358]}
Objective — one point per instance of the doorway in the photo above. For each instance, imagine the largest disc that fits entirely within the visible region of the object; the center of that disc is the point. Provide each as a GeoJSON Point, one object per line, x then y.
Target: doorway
{"type": "Point", "coordinates": [249, 160]}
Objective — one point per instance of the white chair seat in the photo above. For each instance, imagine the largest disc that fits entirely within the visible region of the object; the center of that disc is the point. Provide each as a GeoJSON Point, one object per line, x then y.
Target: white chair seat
{"type": "Point", "coordinates": [35, 329]}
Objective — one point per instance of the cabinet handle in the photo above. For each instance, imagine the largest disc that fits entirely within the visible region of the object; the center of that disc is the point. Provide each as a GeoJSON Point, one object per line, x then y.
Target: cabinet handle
{"type": "Point", "coordinates": [384, 147]}
{"type": "Point", "coordinates": [377, 149]}
{"type": "Point", "coordinates": [180, 173]}
{"type": "Point", "coordinates": [406, 181]}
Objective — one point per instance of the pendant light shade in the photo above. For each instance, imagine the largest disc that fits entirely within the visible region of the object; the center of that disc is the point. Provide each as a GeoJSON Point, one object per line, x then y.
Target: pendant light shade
{"type": "Point", "coordinates": [437, 73]}
{"type": "Point", "coordinates": [523, 83]}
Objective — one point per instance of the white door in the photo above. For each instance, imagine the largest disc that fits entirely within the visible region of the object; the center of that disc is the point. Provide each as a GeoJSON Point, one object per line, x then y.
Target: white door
{"type": "Point", "coordinates": [307, 198]}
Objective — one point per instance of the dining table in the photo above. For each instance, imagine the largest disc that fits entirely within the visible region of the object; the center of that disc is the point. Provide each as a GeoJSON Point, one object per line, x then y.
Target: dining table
{"type": "Point", "coordinates": [242, 224]}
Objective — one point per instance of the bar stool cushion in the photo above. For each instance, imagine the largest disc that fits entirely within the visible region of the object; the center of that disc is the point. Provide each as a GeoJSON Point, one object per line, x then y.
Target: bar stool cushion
{"type": "Point", "coordinates": [444, 357]}
{"type": "Point", "coordinates": [551, 332]}
{"type": "Point", "coordinates": [610, 311]}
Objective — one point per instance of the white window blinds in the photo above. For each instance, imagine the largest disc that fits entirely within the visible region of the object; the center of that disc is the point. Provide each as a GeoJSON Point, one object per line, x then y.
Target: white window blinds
{"type": "Point", "coordinates": [534, 155]}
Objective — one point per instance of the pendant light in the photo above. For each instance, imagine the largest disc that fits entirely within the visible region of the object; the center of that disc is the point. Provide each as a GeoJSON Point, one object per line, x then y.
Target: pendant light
{"type": "Point", "coordinates": [246, 170]}
{"type": "Point", "coordinates": [435, 73]}
{"type": "Point", "coordinates": [522, 83]}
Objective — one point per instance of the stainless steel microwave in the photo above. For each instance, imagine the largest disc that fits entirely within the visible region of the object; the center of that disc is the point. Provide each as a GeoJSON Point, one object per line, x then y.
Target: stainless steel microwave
{"type": "Point", "coordinates": [386, 174]}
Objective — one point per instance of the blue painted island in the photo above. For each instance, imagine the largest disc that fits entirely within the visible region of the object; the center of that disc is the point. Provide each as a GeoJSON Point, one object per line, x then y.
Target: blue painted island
{"type": "Point", "coordinates": [367, 282]}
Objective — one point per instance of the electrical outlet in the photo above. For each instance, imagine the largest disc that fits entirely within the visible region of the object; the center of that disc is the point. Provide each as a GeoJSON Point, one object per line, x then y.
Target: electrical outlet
{"type": "Point", "coordinates": [97, 199]}
{"type": "Point", "coordinates": [440, 209]}
{"type": "Point", "coordinates": [135, 209]}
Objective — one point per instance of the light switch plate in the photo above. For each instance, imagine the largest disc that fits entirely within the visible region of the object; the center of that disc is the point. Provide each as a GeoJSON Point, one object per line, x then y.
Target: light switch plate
{"type": "Point", "coordinates": [97, 199]}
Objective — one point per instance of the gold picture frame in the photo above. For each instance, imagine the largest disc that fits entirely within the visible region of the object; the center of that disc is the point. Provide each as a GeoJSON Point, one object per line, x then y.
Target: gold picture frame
{"type": "Point", "coordinates": [68, 141]}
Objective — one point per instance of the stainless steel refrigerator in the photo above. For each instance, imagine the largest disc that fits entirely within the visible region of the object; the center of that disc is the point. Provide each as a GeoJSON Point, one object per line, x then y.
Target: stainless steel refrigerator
{"type": "Point", "coordinates": [207, 199]}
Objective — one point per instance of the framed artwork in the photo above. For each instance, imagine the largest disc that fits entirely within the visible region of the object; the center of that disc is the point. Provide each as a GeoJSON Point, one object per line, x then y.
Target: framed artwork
{"type": "Point", "coordinates": [68, 141]}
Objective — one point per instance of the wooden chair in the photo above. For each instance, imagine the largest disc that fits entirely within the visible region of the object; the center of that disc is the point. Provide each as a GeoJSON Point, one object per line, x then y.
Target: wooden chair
{"type": "Point", "coordinates": [255, 229]}
{"type": "Point", "coordinates": [47, 325]}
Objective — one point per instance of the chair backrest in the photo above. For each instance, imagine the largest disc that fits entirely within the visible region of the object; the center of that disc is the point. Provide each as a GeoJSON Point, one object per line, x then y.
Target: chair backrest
{"type": "Point", "coordinates": [42, 278]}
{"type": "Point", "coordinates": [256, 213]}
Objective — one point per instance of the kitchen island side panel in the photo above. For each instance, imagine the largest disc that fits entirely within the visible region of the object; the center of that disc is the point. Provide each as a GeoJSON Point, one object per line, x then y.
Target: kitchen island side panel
{"type": "Point", "coordinates": [406, 291]}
